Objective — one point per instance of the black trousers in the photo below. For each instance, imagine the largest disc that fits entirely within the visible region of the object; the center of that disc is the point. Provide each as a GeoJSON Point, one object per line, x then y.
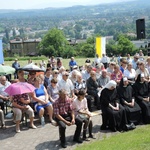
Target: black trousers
{"type": "Point", "coordinates": [62, 127]}
{"type": "Point", "coordinates": [1, 104]}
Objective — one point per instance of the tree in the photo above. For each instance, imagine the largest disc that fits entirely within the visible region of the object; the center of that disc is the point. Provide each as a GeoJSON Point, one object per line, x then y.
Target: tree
{"type": "Point", "coordinates": [53, 43]}
{"type": "Point", "coordinates": [88, 50]}
{"type": "Point", "coordinates": [124, 45]}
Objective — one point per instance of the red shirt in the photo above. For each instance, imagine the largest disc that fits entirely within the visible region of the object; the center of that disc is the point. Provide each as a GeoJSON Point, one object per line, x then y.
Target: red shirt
{"type": "Point", "coordinates": [117, 76]}
{"type": "Point", "coordinates": [61, 107]}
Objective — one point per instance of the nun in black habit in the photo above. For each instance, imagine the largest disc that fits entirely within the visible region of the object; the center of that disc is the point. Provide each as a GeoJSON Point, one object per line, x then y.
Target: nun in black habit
{"type": "Point", "coordinates": [126, 96]}
{"type": "Point", "coordinates": [113, 114]}
{"type": "Point", "coordinates": [142, 97]}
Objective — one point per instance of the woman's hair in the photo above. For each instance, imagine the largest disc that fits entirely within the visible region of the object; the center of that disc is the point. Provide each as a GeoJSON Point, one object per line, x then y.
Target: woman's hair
{"type": "Point", "coordinates": [148, 58]}
{"type": "Point", "coordinates": [20, 71]}
{"type": "Point", "coordinates": [62, 92]}
{"type": "Point", "coordinates": [116, 67]}
{"type": "Point", "coordinates": [81, 92]}
{"type": "Point", "coordinates": [54, 80]}
{"type": "Point", "coordinates": [37, 78]}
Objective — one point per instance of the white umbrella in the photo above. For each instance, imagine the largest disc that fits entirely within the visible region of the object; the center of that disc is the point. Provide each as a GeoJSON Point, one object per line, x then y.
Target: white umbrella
{"type": "Point", "coordinates": [31, 67]}
{"type": "Point", "coordinates": [4, 70]}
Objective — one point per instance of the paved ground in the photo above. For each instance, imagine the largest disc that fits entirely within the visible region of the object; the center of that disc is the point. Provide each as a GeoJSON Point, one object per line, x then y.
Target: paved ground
{"type": "Point", "coordinates": [43, 138]}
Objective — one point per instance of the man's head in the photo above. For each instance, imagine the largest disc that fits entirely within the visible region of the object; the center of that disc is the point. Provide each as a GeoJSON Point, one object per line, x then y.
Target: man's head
{"type": "Point", "coordinates": [89, 68]}
{"type": "Point", "coordinates": [65, 75]}
{"type": "Point", "coordinates": [72, 58]}
{"type": "Point", "coordinates": [104, 73]}
{"type": "Point", "coordinates": [3, 80]}
{"type": "Point", "coordinates": [136, 57]}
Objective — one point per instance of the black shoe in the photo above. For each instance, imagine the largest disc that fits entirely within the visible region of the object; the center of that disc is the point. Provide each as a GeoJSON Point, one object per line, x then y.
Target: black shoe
{"type": "Point", "coordinates": [78, 140]}
{"type": "Point", "coordinates": [103, 127]}
{"type": "Point", "coordinates": [63, 145]}
{"type": "Point", "coordinates": [92, 137]}
{"type": "Point", "coordinates": [113, 129]}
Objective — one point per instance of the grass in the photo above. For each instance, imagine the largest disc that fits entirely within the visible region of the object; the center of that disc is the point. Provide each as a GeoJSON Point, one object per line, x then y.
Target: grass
{"type": "Point", "coordinates": [138, 139]}
{"type": "Point", "coordinates": [80, 61]}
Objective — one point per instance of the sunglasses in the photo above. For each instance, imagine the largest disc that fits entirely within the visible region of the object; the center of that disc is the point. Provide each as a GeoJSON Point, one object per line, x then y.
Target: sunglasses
{"type": "Point", "coordinates": [56, 72]}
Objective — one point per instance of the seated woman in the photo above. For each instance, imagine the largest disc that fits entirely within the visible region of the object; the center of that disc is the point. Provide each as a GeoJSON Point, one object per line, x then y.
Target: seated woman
{"type": "Point", "coordinates": [142, 96]}
{"type": "Point", "coordinates": [81, 84]}
{"type": "Point", "coordinates": [2, 119]}
{"type": "Point", "coordinates": [82, 112]}
{"type": "Point", "coordinates": [53, 90]}
{"type": "Point", "coordinates": [20, 74]}
{"type": "Point", "coordinates": [142, 70]}
{"type": "Point", "coordinates": [116, 75]}
{"type": "Point", "coordinates": [113, 114]}
{"type": "Point", "coordinates": [130, 73]}
{"type": "Point", "coordinates": [20, 105]}
{"type": "Point", "coordinates": [40, 97]}
{"type": "Point", "coordinates": [133, 110]}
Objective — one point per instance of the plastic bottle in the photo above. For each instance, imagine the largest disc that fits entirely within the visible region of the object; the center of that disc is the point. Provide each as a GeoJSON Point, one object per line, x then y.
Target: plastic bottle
{"type": "Point", "coordinates": [42, 121]}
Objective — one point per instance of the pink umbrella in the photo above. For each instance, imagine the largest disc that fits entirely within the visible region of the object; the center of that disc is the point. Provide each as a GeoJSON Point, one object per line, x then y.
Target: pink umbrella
{"type": "Point", "coordinates": [19, 88]}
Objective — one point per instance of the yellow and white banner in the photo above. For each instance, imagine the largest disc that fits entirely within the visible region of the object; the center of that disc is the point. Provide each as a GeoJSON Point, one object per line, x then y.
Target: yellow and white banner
{"type": "Point", "coordinates": [100, 46]}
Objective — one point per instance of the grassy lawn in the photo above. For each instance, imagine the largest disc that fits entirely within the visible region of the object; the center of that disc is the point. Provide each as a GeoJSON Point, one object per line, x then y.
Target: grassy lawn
{"type": "Point", "coordinates": [80, 61]}
{"type": "Point", "coordinates": [138, 139]}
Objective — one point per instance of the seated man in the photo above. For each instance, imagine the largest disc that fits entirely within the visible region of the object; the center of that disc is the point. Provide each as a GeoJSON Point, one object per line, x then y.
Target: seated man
{"type": "Point", "coordinates": [65, 116]}
{"type": "Point", "coordinates": [3, 96]}
{"type": "Point", "coordinates": [103, 79]}
{"type": "Point", "coordinates": [93, 89]}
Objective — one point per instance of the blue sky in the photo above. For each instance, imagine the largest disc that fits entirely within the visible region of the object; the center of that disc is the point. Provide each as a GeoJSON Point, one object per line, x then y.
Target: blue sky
{"type": "Point", "coordinates": [30, 4]}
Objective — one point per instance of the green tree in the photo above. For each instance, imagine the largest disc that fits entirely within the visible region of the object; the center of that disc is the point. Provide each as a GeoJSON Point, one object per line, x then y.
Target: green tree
{"type": "Point", "coordinates": [53, 43]}
{"type": "Point", "coordinates": [124, 45]}
{"type": "Point", "coordinates": [78, 27]}
{"type": "Point", "coordinates": [88, 50]}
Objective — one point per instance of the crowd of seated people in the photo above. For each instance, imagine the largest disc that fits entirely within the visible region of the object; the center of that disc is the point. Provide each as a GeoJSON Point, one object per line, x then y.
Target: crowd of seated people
{"type": "Point", "coordinates": [122, 92]}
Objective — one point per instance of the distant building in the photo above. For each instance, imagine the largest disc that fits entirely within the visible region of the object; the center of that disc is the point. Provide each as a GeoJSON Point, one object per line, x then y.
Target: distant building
{"type": "Point", "coordinates": [139, 44]}
{"type": "Point", "coordinates": [24, 47]}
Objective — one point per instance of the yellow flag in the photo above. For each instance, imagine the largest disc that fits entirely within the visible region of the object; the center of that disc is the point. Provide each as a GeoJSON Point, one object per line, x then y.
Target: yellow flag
{"type": "Point", "coordinates": [100, 46]}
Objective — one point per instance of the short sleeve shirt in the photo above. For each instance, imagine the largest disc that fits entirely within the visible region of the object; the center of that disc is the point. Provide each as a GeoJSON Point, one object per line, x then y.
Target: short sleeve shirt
{"type": "Point", "coordinates": [16, 98]}
{"type": "Point", "coordinates": [62, 108]}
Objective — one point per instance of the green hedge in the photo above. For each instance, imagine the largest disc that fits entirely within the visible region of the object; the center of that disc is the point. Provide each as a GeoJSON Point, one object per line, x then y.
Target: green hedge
{"type": "Point", "coordinates": [25, 58]}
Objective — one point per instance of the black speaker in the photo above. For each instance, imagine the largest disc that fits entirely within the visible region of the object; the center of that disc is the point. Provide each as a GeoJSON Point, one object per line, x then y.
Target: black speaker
{"type": "Point", "coordinates": [140, 28]}
{"type": "Point", "coordinates": [148, 51]}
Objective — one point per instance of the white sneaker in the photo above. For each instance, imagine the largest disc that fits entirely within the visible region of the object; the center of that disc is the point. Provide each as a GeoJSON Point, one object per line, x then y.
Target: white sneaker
{"type": "Point", "coordinates": [53, 122]}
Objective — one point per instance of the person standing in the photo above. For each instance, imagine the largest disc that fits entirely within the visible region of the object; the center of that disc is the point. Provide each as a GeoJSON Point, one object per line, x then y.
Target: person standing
{"type": "Point", "coordinates": [105, 60]}
{"type": "Point", "coordinates": [16, 66]}
{"type": "Point", "coordinates": [72, 63]}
